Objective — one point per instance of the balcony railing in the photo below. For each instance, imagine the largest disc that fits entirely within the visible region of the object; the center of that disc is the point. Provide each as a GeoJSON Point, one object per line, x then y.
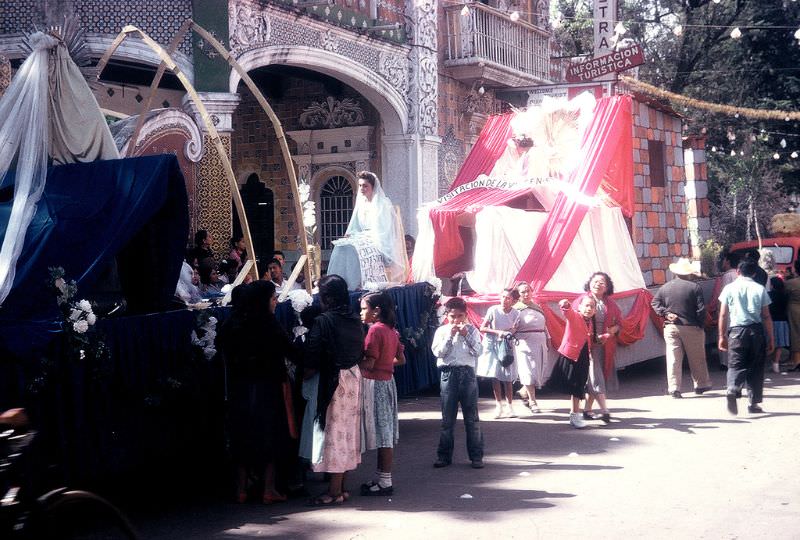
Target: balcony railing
{"type": "Point", "coordinates": [488, 38]}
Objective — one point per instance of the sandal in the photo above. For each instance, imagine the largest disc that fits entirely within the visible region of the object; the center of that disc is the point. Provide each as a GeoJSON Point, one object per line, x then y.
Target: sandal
{"type": "Point", "coordinates": [326, 499]}
{"type": "Point", "coordinates": [272, 498]}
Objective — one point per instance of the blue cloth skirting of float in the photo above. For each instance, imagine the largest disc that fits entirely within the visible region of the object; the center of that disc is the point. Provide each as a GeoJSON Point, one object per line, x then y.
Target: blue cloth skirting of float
{"type": "Point", "coordinates": [157, 398]}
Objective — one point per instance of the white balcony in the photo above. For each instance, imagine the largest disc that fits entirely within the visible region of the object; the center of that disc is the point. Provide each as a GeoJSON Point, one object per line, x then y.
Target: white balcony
{"type": "Point", "coordinates": [486, 45]}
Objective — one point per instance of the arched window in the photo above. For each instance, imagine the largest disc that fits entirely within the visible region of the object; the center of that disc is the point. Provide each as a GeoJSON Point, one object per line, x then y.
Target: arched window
{"type": "Point", "coordinates": [335, 209]}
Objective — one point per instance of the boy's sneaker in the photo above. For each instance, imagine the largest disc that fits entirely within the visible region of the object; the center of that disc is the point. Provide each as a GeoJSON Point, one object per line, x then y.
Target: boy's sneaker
{"type": "Point", "coordinates": [477, 464]}
{"type": "Point", "coordinates": [576, 420]}
{"type": "Point", "coordinates": [440, 463]}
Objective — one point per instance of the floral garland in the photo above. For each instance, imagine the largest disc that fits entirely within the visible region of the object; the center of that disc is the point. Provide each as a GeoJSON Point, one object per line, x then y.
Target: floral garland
{"type": "Point", "coordinates": [78, 317]}
{"type": "Point", "coordinates": [205, 334]}
{"type": "Point", "coordinates": [756, 114]}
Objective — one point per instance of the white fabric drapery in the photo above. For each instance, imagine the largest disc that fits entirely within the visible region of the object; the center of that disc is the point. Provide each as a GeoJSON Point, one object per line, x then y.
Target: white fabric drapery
{"type": "Point", "coordinates": [505, 236]}
{"type": "Point", "coordinates": [48, 111]}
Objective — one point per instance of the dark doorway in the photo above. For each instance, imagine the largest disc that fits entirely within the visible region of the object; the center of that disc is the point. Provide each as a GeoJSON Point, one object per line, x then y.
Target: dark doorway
{"type": "Point", "coordinates": [259, 206]}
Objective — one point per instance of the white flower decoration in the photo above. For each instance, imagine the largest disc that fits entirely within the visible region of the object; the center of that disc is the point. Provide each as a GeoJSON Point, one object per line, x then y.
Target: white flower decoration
{"type": "Point", "coordinates": [80, 326]}
{"type": "Point", "coordinates": [309, 218]}
{"type": "Point", "coordinates": [91, 318]}
{"type": "Point", "coordinates": [305, 191]}
{"type": "Point", "coordinates": [75, 314]}
{"type": "Point", "coordinates": [85, 305]}
{"type": "Point", "coordinates": [60, 284]}
{"type": "Point", "coordinates": [300, 299]}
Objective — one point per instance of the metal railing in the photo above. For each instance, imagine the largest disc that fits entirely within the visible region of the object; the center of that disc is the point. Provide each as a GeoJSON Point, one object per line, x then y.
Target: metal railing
{"type": "Point", "coordinates": [485, 34]}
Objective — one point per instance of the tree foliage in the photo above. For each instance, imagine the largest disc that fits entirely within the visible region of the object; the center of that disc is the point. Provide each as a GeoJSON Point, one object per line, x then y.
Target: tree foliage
{"type": "Point", "coordinates": [701, 60]}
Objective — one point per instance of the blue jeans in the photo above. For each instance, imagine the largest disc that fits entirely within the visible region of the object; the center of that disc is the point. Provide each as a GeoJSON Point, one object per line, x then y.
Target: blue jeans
{"type": "Point", "coordinates": [458, 385]}
{"type": "Point", "coordinates": [746, 356]}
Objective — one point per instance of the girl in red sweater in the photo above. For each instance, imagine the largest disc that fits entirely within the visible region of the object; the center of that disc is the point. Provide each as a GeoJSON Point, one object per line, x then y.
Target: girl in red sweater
{"type": "Point", "coordinates": [571, 370]}
{"type": "Point", "coordinates": [380, 424]}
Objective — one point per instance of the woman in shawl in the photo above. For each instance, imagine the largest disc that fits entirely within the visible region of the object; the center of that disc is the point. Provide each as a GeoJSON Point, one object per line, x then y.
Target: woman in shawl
{"type": "Point", "coordinates": [602, 372]}
{"type": "Point", "coordinates": [334, 348]}
{"type": "Point", "coordinates": [254, 347]}
{"type": "Point", "coordinates": [374, 219]}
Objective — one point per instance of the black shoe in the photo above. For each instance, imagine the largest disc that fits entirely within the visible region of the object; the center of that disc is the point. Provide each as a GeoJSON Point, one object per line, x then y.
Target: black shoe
{"type": "Point", "coordinates": [606, 417]}
{"type": "Point", "coordinates": [754, 409]}
{"type": "Point", "coordinates": [440, 463]}
{"type": "Point", "coordinates": [477, 464]}
{"type": "Point", "coordinates": [733, 408]}
{"type": "Point", "coordinates": [587, 415]}
{"type": "Point", "coordinates": [676, 394]}
{"type": "Point", "coordinates": [373, 488]}
{"type": "Point", "coordinates": [700, 391]}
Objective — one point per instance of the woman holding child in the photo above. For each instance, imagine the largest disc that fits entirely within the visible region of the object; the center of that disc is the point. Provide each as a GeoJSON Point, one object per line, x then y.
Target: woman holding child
{"type": "Point", "coordinates": [607, 319]}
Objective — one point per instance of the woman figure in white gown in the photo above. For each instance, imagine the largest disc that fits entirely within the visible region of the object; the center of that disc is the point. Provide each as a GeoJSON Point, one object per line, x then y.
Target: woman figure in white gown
{"type": "Point", "coordinates": [374, 221]}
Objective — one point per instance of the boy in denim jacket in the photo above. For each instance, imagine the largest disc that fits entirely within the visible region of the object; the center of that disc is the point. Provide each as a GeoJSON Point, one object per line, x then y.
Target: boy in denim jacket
{"type": "Point", "coordinates": [457, 345]}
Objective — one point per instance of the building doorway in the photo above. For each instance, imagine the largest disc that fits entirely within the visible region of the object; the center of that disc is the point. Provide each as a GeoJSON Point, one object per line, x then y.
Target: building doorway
{"type": "Point", "coordinates": [259, 206]}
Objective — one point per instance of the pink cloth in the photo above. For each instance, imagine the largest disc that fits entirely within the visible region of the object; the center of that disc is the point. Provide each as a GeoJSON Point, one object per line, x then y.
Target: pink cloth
{"type": "Point", "coordinates": [382, 344]}
{"type": "Point", "coordinates": [576, 334]}
{"type": "Point", "coordinates": [607, 145]}
{"type": "Point", "coordinates": [341, 451]}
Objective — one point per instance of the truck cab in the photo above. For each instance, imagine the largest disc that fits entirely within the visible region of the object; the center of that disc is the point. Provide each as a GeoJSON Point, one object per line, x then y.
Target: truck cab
{"type": "Point", "coordinates": [784, 250]}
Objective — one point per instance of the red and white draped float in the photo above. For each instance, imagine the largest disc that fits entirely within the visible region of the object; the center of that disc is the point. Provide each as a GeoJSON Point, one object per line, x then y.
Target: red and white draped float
{"type": "Point", "coordinates": [543, 197]}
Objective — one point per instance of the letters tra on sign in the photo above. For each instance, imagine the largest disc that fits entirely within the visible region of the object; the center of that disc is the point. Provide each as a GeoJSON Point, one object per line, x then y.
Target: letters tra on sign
{"type": "Point", "coordinates": [605, 15]}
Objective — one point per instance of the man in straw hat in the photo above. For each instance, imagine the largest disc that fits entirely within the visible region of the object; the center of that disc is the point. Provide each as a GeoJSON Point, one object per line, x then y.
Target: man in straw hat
{"type": "Point", "coordinates": [680, 303]}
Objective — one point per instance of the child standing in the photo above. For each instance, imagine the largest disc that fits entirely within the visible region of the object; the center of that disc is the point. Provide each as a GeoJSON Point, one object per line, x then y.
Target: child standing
{"type": "Point", "coordinates": [571, 370]}
{"type": "Point", "coordinates": [457, 345]}
{"type": "Point", "coordinates": [382, 351]}
{"type": "Point", "coordinates": [500, 321]}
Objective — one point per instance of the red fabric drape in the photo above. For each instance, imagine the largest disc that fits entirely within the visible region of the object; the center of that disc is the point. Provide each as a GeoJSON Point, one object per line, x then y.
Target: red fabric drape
{"type": "Point", "coordinates": [606, 137]}
{"type": "Point", "coordinates": [488, 148]}
{"type": "Point", "coordinates": [633, 325]}
{"type": "Point", "coordinates": [448, 247]}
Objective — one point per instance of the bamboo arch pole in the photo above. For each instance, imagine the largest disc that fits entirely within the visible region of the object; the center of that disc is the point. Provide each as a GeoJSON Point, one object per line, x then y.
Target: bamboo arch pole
{"type": "Point", "coordinates": [167, 61]}
{"type": "Point", "coordinates": [279, 134]}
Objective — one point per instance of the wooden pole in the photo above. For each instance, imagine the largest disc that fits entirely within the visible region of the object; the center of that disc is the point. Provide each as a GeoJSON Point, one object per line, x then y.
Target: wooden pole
{"type": "Point", "coordinates": [167, 60]}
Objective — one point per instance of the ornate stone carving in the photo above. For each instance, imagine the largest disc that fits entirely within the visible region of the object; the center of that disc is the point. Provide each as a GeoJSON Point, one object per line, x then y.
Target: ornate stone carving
{"type": "Point", "coordinates": [423, 94]}
{"type": "Point", "coordinates": [5, 74]}
{"type": "Point", "coordinates": [332, 113]}
{"type": "Point", "coordinates": [250, 25]}
{"type": "Point", "coordinates": [329, 41]}
{"type": "Point", "coordinates": [394, 69]}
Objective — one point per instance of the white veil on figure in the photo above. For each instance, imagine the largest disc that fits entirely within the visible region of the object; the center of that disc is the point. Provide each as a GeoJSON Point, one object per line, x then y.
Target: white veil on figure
{"type": "Point", "coordinates": [378, 221]}
{"type": "Point", "coordinates": [47, 92]}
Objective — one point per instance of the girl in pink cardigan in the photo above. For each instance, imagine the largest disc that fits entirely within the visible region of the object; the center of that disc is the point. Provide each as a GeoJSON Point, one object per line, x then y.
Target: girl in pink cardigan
{"type": "Point", "coordinates": [571, 370]}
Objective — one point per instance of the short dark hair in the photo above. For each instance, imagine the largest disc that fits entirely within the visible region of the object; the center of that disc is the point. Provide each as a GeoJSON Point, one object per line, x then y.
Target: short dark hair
{"type": "Point", "coordinates": [274, 261]}
{"type": "Point", "coordinates": [752, 255]}
{"type": "Point", "coordinates": [747, 268]}
{"type": "Point", "coordinates": [368, 176]}
{"type": "Point", "coordinates": [278, 252]}
{"type": "Point", "coordinates": [199, 236]}
{"type": "Point", "coordinates": [456, 303]}
{"type": "Point", "coordinates": [609, 283]}
{"type": "Point", "coordinates": [382, 300]}
{"type": "Point", "coordinates": [333, 291]}
{"type": "Point", "coordinates": [732, 258]}
{"type": "Point", "coordinates": [512, 292]}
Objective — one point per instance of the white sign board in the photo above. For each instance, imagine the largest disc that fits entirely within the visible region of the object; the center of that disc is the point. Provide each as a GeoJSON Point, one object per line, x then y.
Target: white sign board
{"type": "Point", "coordinates": [605, 18]}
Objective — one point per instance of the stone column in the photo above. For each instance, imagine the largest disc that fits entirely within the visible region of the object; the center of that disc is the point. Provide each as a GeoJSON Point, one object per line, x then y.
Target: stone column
{"type": "Point", "coordinates": [410, 173]}
{"type": "Point", "coordinates": [413, 159]}
{"type": "Point", "coordinates": [214, 205]}
{"type": "Point", "coordinates": [698, 212]}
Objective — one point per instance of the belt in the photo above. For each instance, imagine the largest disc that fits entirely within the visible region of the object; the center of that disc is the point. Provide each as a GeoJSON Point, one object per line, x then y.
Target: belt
{"type": "Point", "coordinates": [528, 331]}
{"type": "Point", "coordinates": [751, 325]}
{"type": "Point", "coordinates": [451, 368]}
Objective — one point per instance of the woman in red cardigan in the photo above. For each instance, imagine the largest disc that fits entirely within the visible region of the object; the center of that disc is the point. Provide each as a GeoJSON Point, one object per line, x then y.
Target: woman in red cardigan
{"type": "Point", "coordinates": [571, 370]}
{"type": "Point", "coordinates": [602, 372]}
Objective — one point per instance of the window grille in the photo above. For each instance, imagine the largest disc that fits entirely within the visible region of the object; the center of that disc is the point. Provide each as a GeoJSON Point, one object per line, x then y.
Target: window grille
{"type": "Point", "coordinates": [336, 207]}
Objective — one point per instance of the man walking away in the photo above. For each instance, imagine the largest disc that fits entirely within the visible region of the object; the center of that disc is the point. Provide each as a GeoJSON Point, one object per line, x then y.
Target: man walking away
{"type": "Point", "coordinates": [680, 302]}
{"type": "Point", "coordinates": [749, 338]}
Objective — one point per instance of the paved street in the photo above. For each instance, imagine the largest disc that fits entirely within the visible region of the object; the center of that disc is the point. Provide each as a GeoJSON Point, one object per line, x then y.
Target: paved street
{"type": "Point", "coordinates": [665, 468]}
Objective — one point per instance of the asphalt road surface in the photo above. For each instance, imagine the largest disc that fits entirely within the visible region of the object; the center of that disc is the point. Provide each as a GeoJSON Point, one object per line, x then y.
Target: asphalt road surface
{"type": "Point", "coordinates": [664, 468]}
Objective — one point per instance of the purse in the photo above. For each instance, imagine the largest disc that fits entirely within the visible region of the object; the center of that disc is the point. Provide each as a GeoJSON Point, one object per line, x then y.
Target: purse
{"type": "Point", "coordinates": [505, 350]}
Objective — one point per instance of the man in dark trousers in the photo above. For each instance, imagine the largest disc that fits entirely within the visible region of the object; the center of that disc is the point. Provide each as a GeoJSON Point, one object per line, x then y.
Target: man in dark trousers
{"type": "Point", "coordinates": [749, 338]}
{"type": "Point", "coordinates": [680, 302]}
